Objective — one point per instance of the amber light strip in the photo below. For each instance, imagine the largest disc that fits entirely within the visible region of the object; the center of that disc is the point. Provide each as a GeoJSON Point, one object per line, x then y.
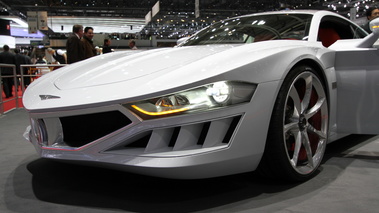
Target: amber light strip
{"type": "Point", "coordinates": [160, 113]}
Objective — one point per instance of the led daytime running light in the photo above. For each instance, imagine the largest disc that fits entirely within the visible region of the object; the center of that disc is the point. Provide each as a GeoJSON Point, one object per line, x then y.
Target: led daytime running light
{"type": "Point", "coordinates": [160, 113]}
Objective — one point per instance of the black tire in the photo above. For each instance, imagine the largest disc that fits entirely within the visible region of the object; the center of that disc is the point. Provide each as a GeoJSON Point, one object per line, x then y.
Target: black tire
{"type": "Point", "coordinates": [298, 129]}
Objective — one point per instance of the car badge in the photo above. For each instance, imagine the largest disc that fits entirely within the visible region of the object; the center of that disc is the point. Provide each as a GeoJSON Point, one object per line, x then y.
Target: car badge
{"type": "Point", "coordinates": [46, 97]}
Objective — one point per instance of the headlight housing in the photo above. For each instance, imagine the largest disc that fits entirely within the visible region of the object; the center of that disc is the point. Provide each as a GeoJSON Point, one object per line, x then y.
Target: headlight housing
{"type": "Point", "coordinates": [207, 97]}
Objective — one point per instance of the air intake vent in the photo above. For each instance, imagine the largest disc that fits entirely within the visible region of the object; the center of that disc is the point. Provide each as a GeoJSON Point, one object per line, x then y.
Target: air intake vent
{"type": "Point", "coordinates": [187, 137]}
{"type": "Point", "coordinates": [83, 129]}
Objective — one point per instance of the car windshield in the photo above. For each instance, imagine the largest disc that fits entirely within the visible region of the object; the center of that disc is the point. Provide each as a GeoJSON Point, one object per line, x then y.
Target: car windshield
{"type": "Point", "coordinates": [254, 29]}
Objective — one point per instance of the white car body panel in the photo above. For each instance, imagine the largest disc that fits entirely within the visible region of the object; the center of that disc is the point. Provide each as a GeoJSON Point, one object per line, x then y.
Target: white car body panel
{"type": "Point", "coordinates": [104, 83]}
{"type": "Point", "coordinates": [358, 86]}
{"type": "Point", "coordinates": [89, 77]}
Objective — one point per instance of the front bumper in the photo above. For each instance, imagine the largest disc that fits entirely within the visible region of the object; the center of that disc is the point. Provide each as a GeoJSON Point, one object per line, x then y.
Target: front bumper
{"type": "Point", "coordinates": [215, 143]}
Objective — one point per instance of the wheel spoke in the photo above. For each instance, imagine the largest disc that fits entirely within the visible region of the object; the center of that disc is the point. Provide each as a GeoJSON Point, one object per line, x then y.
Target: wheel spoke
{"type": "Point", "coordinates": [311, 112]}
{"type": "Point", "coordinates": [320, 134]}
{"type": "Point", "coordinates": [308, 91]}
{"type": "Point", "coordinates": [296, 152]}
{"type": "Point", "coordinates": [296, 101]}
{"type": "Point", "coordinates": [308, 149]}
{"type": "Point", "coordinates": [291, 127]}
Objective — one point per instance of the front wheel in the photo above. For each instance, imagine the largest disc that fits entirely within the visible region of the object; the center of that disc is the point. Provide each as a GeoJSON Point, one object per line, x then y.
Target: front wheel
{"type": "Point", "coordinates": [298, 129]}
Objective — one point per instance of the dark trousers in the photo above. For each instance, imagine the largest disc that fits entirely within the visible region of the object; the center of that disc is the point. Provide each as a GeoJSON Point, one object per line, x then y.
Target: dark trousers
{"type": "Point", "coordinates": [7, 85]}
{"type": "Point", "coordinates": [26, 81]}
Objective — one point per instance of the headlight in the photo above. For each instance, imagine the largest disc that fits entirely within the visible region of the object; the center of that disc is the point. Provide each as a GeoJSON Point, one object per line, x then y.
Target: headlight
{"type": "Point", "coordinates": [207, 97]}
{"type": "Point", "coordinates": [220, 92]}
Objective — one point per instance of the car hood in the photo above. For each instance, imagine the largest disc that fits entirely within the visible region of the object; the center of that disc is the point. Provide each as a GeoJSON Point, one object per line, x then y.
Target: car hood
{"type": "Point", "coordinates": [135, 75]}
{"type": "Point", "coordinates": [129, 65]}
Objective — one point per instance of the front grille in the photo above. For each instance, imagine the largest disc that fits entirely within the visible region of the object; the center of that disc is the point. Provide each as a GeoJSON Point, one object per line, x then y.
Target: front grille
{"type": "Point", "coordinates": [80, 130]}
{"type": "Point", "coordinates": [186, 137]}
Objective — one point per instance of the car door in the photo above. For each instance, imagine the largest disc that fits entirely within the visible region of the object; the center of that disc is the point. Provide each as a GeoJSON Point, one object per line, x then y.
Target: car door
{"type": "Point", "coordinates": [358, 91]}
{"type": "Point", "coordinates": [357, 73]}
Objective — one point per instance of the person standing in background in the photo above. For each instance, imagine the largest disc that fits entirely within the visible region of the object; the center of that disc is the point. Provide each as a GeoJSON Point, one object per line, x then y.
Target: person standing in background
{"type": "Point", "coordinates": [106, 46]}
{"type": "Point", "coordinates": [74, 46]}
{"type": "Point", "coordinates": [132, 45]}
{"type": "Point", "coordinates": [21, 59]}
{"type": "Point", "coordinates": [371, 14]}
{"type": "Point", "coordinates": [28, 60]}
{"type": "Point", "coordinates": [6, 57]}
{"type": "Point", "coordinates": [89, 48]}
{"type": "Point", "coordinates": [58, 55]}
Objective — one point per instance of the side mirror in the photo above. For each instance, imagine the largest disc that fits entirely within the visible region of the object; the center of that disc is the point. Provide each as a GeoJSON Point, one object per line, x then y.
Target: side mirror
{"type": "Point", "coordinates": [374, 26]}
{"type": "Point", "coordinates": [370, 40]}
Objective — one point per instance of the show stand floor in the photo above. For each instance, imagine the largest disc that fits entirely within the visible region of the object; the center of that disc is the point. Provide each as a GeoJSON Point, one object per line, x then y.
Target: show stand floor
{"type": "Point", "coordinates": [348, 182]}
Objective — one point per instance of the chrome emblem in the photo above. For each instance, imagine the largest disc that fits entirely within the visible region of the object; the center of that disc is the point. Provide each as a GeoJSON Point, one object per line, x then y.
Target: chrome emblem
{"type": "Point", "coordinates": [46, 97]}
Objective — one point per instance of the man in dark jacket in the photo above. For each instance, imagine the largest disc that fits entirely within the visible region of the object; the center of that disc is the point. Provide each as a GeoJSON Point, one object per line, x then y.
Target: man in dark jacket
{"type": "Point", "coordinates": [6, 57]}
{"type": "Point", "coordinates": [106, 46]}
{"type": "Point", "coordinates": [22, 59]}
{"type": "Point", "coordinates": [74, 46]}
{"type": "Point", "coordinates": [89, 48]}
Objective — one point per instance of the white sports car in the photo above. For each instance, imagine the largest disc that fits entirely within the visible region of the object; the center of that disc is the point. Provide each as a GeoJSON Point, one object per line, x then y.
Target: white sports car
{"type": "Point", "coordinates": [262, 92]}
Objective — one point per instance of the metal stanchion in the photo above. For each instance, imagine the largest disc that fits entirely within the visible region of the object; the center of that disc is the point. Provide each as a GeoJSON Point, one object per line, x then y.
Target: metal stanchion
{"type": "Point", "coordinates": [1, 94]}
{"type": "Point", "coordinates": [38, 68]}
{"type": "Point", "coordinates": [2, 110]}
{"type": "Point", "coordinates": [38, 74]}
{"type": "Point", "coordinates": [15, 84]}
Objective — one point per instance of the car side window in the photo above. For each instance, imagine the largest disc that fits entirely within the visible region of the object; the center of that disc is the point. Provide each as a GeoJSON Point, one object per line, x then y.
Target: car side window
{"type": "Point", "coordinates": [358, 32]}
{"type": "Point", "coordinates": [345, 29]}
{"type": "Point", "coordinates": [333, 28]}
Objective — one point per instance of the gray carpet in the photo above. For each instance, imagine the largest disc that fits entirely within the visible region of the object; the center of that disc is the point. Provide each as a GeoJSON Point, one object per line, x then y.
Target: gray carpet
{"type": "Point", "coordinates": [347, 182]}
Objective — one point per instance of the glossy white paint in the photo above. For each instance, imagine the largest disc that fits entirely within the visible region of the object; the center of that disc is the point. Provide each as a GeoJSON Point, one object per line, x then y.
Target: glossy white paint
{"type": "Point", "coordinates": [148, 72]}
{"type": "Point", "coordinates": [104, 82]}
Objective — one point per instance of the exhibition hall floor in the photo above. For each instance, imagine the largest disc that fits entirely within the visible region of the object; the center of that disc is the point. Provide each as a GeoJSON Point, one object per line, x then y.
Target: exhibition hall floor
{"type": "Point", "coordinates": [347, 182]}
